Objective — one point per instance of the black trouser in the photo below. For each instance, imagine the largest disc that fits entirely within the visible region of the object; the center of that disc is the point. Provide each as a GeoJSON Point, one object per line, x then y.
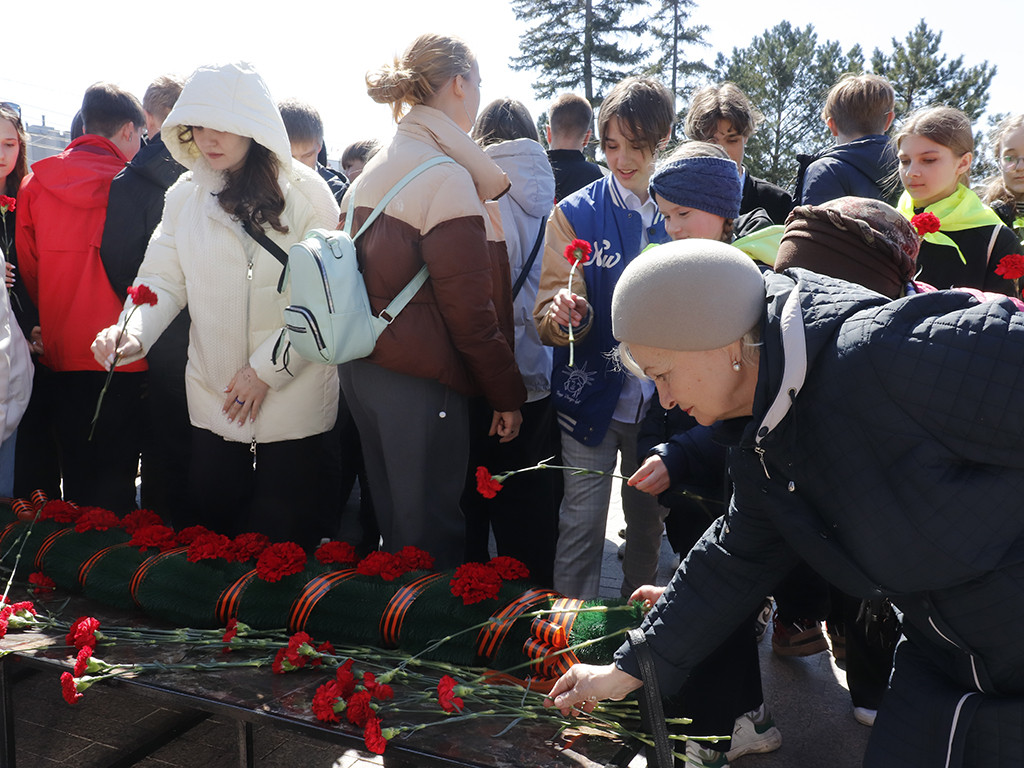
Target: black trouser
{"type": "Point", "coordinates": [342, 463]}
{"type": "Point", "coordinates": [524, 514]}
{"type": "Point", "coordinates": [99, 472]}
{"type": "Point", "coordinates": [37, 460]}
{"type": "Point", "coordinates": [727, 683]}
{"type": "Point", "coordinates": [278, 497]}
{"type": "Point", "coordinates": [168, 433]}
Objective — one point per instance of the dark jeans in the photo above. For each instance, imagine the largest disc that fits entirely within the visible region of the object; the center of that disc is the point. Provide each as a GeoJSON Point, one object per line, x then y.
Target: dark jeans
{"type": "Point", "coordinates": [37, 461]}
{"type": "Point", "coordinates": [99, 472]}
{"type": "Point", "coordinates": [524, 514]}
{"type": "Point", "coordinates": [278, 497]}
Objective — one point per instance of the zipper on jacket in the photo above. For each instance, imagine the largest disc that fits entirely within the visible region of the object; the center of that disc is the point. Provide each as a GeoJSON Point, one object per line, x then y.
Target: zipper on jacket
{"type": "Point", "coordinates": [252, 450]}
{"type": "Point", "coordinates": [248, 273]}
{"type": "Point", "coordinates": [760, 454]}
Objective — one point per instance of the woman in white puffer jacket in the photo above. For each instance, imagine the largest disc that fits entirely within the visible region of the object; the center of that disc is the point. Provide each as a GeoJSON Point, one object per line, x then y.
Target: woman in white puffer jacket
{"type": "Point", "coordinates": [256, 407]}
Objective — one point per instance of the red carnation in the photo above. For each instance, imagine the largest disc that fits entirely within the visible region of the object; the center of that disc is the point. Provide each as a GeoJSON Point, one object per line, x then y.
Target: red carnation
{"type": "Point", "coordinates": [475, 582]}
{"type": "Point", "coordinates": [326, 696]}
{"type": "Point", "coordinates": [577, 252]}
{"type": "Point", "coordinates": [415, 559]}
{"type": "Point", "coordinates": [246, 546]}
{"type": "Point", "coordinates": [345, 679]}
{"type": "Point", "coordinates": [39, 582]}
{"type": "Point", "coordinates": [294, 649]}
{"type": "Point", "coordinates": [230, 633]}
{"type": "Point", "coordinates": [209, 546]}
{"type": "Point", "coordinates": [96, 519]}
{"type": "Point", "coordinates": [372, 737]}
{"type": "Point", "coordinates": [387, 565]}
{"type": "Point", "coordinates": [446, 695]}
{"type": "Point", "coordinates": [187, 535]}
{"type": "Point", "coordinates": [509, 568]}
{"type": "Point", "coordinates": [142, 294]}
{"type": "Point", "coordinates": [159, 536]}
{"type": "Point", "coordinates": [83, 632]}
{"type": "Point", "coordinates": [1011, 267]}
{"type": "Point", "coordinates": [925, 223]}
{"type": "Point", "coordinates": [285, 558]}
{"type": "Point", "coordinates": [60, 511]}
{"type": "Point", "coordinates": [7, 203]}
{"type": "Point", "coordinates": [324, 649]}
{"type": "Point", "coordinates": [358, 709]}
{"type": "Point", "coordinates": [82, 660]}
{"type": "Point", "coordinates": [140, 518]}
{"type": "Point", "coordinates": [486, 485]}
{"type": "Point", "coordinates": [336, 552]}
{"type": "Point", "coordinates": [69, 687]}
{"type": "Point", "coordinates": [381, 691]}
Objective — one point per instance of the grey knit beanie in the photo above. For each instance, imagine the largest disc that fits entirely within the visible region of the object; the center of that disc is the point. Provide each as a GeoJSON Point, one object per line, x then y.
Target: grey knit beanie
{"type": "Point", "coordinates": [689, 295]}
{"type": "Point", "coordinates": [709, 184]}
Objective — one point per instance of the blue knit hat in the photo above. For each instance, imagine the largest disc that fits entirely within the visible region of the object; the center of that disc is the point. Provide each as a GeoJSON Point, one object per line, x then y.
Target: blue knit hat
{"type": "Point", "coordinates": [709, 184]}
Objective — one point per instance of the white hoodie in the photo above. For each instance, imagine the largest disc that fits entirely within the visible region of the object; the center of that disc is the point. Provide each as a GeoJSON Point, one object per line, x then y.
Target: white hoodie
{"type": "Point", "coordinates": [530, 199]}
{"type": "Point", "coordinates": [201, 256]}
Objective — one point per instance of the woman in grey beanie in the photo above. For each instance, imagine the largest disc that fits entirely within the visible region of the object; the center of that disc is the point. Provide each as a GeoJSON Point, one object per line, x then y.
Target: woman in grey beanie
{"type": "Point", "coordinates": [879, 440]}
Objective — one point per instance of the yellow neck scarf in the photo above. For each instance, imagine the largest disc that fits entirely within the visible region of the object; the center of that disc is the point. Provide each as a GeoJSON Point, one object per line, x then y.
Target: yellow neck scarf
{"type": "Point", "coordinates": [961, 210]}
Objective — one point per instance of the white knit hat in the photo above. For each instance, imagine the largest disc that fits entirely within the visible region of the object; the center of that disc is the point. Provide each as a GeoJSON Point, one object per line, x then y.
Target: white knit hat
{"type": "Point", "coordinates": [689, 295]}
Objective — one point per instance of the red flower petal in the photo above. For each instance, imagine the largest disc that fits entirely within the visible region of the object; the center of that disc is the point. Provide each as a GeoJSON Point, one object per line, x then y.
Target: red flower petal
{"type": "Point", "coordinates": [486, 485]}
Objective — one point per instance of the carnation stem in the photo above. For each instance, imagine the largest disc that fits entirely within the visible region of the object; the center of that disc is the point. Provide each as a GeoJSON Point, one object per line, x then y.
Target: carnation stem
{"type": "Point", "coordinates": [572, 271]}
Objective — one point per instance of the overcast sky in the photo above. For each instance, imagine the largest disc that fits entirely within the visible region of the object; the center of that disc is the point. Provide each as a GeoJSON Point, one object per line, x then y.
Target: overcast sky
{"type": "Point", "coordinates": [320, 52]}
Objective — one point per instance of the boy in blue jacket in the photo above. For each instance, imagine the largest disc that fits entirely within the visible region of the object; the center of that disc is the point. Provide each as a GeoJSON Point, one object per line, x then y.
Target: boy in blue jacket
{"type": "Point", "coordinates": [599, 405]}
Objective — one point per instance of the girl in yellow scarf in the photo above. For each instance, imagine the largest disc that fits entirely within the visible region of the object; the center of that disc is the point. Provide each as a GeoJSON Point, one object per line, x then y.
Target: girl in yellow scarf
{"type": "Point", "coordinates": [934, 147]}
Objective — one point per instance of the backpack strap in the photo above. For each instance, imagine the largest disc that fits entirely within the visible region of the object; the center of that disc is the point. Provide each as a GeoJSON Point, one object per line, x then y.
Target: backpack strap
{"type": "Point", "coordinates": [399, 185]}
{"type": "Point", "coordinates": [992, 242]}
{"type": "Point", "coordinates": [652, 714]}
{"type": "Point", "coordinates": [525, 271]}
{"type": "Point", "coordinates": [257, 234]}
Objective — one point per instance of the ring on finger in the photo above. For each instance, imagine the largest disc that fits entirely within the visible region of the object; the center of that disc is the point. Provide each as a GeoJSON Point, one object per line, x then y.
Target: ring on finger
{"type": "Point", "coordinates": [240, 402]}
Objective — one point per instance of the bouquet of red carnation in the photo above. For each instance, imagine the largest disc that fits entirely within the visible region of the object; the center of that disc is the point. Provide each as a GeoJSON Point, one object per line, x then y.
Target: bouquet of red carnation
{"type": "Point", "coordinates": [140, 294]}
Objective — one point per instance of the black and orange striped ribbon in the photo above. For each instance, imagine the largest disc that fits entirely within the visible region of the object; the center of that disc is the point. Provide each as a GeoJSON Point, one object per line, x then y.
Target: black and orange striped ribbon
{"type": "Point", "coordinates": [311, 594]}
{"type": "Point", "coordinates": [8, 528]}
{"type": "Point", "coordinates": [143, 570]}
{"type": "Point", "coordinates": [83, 572]}
{"type": "Point", "coordinates": [549, 636]}
{"type": "Point", "coordinates": [398, 606]}
{"type": "Point", "coordinates": [39, 499]}
{"type": "Point", "coordinates": [23, 509]}
{"type": "Point", "coordinates": [227, 603]}
{"type": "Point", "coordinates": [492, 636]}
{"type": "Point", "coordinates": [47, 543]}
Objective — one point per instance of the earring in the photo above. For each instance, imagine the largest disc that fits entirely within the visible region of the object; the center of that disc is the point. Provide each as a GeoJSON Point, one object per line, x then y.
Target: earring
{"type": "Point", "coordinates": [736, 365]}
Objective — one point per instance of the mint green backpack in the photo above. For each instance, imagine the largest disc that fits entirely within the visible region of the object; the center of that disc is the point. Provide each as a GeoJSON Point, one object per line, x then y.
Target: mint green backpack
{"type": "Point", "coordinates": [330, 319]}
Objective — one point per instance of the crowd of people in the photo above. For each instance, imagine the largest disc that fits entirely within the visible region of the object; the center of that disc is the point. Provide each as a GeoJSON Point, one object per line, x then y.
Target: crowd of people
{"type": "Point", "coordinates": [814, 395]}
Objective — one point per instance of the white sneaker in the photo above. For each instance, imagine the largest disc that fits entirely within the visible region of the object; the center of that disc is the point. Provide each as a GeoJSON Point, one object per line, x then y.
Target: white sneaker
{"type": "Point", "coordinates": [701, 756]}
{"type": "Point", "coordinates": [864, 716]}
{"type": "Point", "coordinates": [754, 732]}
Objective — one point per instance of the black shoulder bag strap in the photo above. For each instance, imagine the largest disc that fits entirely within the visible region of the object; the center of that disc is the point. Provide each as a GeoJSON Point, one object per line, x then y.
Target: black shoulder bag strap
{"type": "Point", "coordinates": [652, 714]}
{"type": "Point", "coordinates": [272, 248]}
{"type": "Point", "coordinates": [525, 271]}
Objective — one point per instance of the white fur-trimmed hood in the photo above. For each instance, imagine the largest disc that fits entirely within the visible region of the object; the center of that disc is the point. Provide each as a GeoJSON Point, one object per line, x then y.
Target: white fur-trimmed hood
{"type": "Point", "coordinates": [227, 97]}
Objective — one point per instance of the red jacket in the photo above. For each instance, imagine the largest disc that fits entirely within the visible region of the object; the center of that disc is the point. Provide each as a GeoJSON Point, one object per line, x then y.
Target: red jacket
{"type": "Point", "coordinates": [62, 205]}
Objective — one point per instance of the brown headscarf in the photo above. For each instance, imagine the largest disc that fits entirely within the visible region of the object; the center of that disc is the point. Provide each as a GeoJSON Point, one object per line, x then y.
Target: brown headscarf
{"type": "Point", "coordinates": [857, 239]}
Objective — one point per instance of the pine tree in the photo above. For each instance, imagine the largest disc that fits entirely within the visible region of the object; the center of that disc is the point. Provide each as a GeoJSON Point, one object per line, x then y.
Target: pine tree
{"type": "Point", "coordinates": [921, 75]}
{"type": "Point", "coordinates": [786, 74]}
{"type": "Point", "coordinates": [580, 44]}
{"type": "Point", "coordinates": [672, 36]}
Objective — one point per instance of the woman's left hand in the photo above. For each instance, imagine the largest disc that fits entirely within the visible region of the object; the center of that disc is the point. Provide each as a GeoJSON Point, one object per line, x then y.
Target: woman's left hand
{"type": "Point", "coordinates": [579, 689]}
{"type": "Point", "coordinates": [245, 394]}
{"type": "Point", "coordinates": [9, 275]}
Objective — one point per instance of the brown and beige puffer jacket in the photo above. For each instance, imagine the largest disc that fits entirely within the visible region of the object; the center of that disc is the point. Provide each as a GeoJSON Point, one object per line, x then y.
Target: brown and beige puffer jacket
{"type": "Point", "coordinates": [458, 327]}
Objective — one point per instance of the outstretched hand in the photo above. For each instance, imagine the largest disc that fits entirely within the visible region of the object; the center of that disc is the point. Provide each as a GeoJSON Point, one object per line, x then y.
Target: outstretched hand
{"type": "Point", "coordinates": [584, 685]}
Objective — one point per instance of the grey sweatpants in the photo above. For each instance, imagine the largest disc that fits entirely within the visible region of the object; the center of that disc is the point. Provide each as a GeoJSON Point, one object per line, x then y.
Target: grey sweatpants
{"type": "Point", "coordinates": [415, 458]}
